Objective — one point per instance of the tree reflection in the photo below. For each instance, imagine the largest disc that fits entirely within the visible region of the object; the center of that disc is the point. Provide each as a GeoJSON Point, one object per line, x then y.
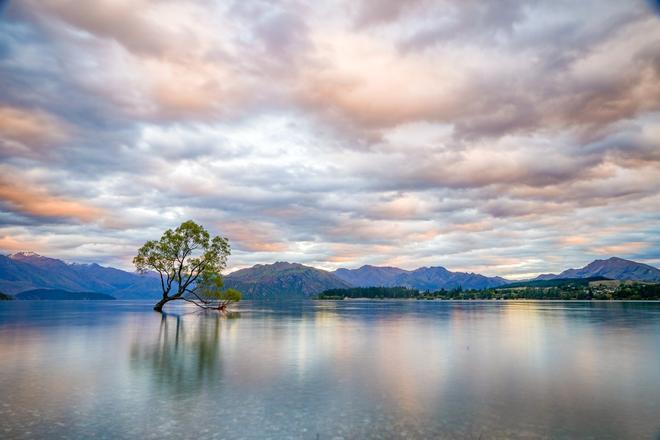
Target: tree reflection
{"type": "Point", "coordinates": [186, 354]}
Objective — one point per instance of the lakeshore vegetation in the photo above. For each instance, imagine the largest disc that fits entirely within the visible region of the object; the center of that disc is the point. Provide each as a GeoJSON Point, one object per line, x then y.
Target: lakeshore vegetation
{"type": "Point", "coordinates": [558, 289]}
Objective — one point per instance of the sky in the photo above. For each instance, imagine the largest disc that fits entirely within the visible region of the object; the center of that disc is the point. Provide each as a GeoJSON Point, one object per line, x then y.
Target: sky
{"type": "Point", "coordinates": [503, 137]}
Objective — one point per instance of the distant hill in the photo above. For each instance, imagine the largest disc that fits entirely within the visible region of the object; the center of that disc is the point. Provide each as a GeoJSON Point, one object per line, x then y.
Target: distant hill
{"type": "Point", "coordinates": [5, 297]}
{"type": "Point", "coordinates": [424, 278]}
{"type": "Point", "coordinates": [613, 268]}
{"type": "Point", "coordinates": [26, 271]}
{"type": "Point", "coordinates": [370, 292]}
{"type": "Point", "coordinates": [434, 278]}
{"type": "Point", "coordinates": [56, 294]}
{"type": "Point", "coordinates": [282, 280]}
{"type": "Point", "coordinates": [17, 275]}
{"type": "Point", "coordinates": [555, 282]}
{"type": "Point", "coordinates": [369, 276]}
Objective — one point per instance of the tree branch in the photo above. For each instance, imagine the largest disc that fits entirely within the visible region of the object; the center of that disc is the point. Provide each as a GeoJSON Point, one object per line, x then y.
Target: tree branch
{"type": "Point", "coordinates": [178, 272]}
{"type": "Point", "coordinates": [198, 297]}
{"type": "Point", "coordinates": [200, 267]}
{"type": "Point", "coordinates": [198, 305]}
{"type": "Point", "coordinates": [162, 283]}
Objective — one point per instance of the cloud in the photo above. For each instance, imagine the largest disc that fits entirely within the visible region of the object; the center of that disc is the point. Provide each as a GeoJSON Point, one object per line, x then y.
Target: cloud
{"type": "Point", "coordinates": [35, 201]}
{"type": "Point", "coordinates": [506, 137]}
{"type": "Point", "coordinates": [254, 237]}
{"type": "Point", "coordinates": [164, 57]}
{"type": "Point", "coordinates": [29, 133]}
{"type": "Point", "coordinates": [622, 248]}
{"type": "Point", "coordinates": [12, 244]}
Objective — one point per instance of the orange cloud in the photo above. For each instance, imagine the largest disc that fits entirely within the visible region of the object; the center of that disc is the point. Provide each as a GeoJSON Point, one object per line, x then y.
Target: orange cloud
{"type": "Point", "coordinates": [11, 244]}
{"type": "Point", "coordinates": [341, 258]}
{"type": "Point", "coordinates": [367, 80]}
{"type": "Point", "coordinates": [621, 249]}
{"type": "Point", "coordinates": [253, 237]}
{"type": "Point", "coordinates": [164, 56]}
{"type": "Point", "coordinates": [355, 253]}
{"type": "Point", "coordinates": [573, 240]}
{"type": "Point", "coordinates": [25, 130]}
{"type": "Point", "coordinates": [402, 207]}
{"type": "Point", "coordinates": [186, 85]}
{"type": "Point", "coordinates": [38, 202]}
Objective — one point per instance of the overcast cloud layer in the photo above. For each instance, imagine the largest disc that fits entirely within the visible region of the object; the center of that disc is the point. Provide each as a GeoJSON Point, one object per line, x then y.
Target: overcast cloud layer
{"type": "Point", "coordinates": [503, 137]}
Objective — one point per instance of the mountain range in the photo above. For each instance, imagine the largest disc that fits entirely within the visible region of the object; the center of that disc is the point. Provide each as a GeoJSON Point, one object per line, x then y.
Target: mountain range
{"type": "Point", "coordinates": [57, 294]}
{"type": "Point", "coordinates": [424, 278]}
{"type": "Point", "coordinates": [25, 271]}
{"type": "Point", "coordinates": [614, 268]}
{"type": "Point", "coordinates": [282, 279]}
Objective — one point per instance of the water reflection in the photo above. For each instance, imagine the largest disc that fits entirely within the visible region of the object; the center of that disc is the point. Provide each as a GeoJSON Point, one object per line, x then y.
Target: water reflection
{"type": "Point", "coordinates": [186, 354]}
{"type": "Point", "coordinates": [352, 369]}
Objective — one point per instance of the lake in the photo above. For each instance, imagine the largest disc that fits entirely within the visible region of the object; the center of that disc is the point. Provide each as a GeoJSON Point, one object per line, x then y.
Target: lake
{"type": "Point", "coordinates": [324, 370]}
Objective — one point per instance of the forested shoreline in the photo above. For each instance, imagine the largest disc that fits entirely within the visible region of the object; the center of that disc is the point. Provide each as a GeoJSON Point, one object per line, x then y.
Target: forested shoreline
{"type": "Point", "coordinates": [595, 290]}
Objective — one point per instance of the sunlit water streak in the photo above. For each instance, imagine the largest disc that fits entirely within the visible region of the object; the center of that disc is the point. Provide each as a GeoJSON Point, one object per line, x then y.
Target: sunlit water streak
{"type": "Point", "coordinates": [353, 369]}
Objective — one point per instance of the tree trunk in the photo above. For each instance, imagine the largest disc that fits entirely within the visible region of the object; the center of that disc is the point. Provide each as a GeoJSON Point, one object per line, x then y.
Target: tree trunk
{"type": "Point", "coordinates": [159, 305]}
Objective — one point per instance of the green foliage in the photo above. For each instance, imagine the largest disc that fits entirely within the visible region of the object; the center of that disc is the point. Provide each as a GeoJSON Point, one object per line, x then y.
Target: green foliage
{"type": "Point", "coordinates": [637, 291]}
{"type": "Point", "coordinates": [183, 254]}
{"type": "Point", "coordinates": [211, 289]}
{"type": "Point", "coordinates": [565, 291]}
{"type": "Point", "coordinates": [187, 259]}
{"type": "Point", "coordinates": [232, 295]}
{"type": "Point", "coordinates": [556, 282]}
{"type": "Point", "coordinates": [369, 292]}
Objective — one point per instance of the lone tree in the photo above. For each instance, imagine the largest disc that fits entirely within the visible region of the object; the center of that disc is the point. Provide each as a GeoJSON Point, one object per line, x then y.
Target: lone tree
{"type": "Point", "coordinates": [189, 263]}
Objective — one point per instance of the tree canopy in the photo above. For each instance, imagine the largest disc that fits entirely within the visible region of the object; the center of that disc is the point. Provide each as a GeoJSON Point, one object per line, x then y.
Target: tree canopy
{"type": "Point", "coordinates": [189, 262]}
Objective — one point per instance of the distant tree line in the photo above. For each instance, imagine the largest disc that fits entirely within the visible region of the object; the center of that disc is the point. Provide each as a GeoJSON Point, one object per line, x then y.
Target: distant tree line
{"type": "Point", "coordinates": [571, 291]}
{"type": "Point", "coordinates": [370, 292]}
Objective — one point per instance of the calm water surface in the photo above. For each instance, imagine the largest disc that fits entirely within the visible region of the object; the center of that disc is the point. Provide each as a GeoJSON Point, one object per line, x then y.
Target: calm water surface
{"type": "Point", "coordinates": [323, 370]}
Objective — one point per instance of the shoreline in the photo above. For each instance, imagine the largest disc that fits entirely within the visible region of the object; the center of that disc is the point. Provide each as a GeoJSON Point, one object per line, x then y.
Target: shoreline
{"type": "Point", "coordinates": [492, 300]}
